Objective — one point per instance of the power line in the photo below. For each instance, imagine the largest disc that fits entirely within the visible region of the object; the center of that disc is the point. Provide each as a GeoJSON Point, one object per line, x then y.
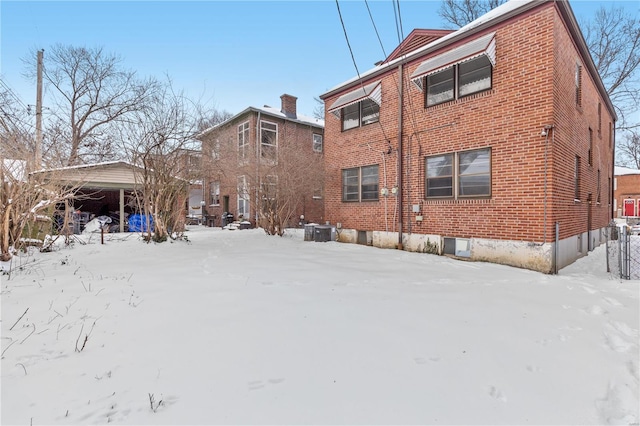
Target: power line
{"type": "Point", "coordinates": [375, 28]}
{"type": "Point", "coordinates": [344, 29]}
{"type": "Point", "coordinates": [12, 93]}
{"type": "Point", "coordinates": [399, 21]}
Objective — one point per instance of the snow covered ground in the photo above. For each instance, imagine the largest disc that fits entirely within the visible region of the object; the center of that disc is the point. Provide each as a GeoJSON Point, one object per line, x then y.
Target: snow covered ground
{"type": "Point", "coordinates": [236, 327]}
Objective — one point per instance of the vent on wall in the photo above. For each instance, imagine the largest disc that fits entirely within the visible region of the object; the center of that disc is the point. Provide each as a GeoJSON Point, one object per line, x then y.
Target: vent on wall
{"type": "Point", "coordinates": [449, 246]}
{"type": "Point", "coordinates": [460, 247]}
{"type": "Point", "coordinates": [365, 238]}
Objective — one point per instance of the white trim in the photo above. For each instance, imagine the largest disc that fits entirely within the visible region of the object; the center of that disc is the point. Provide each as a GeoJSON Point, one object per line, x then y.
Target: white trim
{"type": "Point", "coordinates": [372, 91]}
{"type": "Point", "coordinates": [485, 45]}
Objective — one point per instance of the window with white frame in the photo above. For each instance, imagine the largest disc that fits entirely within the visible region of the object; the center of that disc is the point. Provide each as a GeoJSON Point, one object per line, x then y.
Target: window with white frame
{"type": "Point", "coordinates": [269, 193]}
{"type": "Point", "coordinates": [243, 197]}
{"type": "Point", "coordinates": [268, 140]}
{"type": "Point", "coordinates": [360, 114]}
{"type": "Point", "coordinates": [464, 174]}
{"type": "Point", "coordinates": [269, 187]}
{"type": "Point", "coordinates": [215, 151]}
{"type": "Point", "coordinates": [360, 184]}
{"type": "Point", "coordinates": [459, 80]}
{"type": "Point", "coordinates": [214, 193]}
{"type": "Point", "coordinates": [243, 141]}
{"type": "Point", "coordinates": [317, 142]}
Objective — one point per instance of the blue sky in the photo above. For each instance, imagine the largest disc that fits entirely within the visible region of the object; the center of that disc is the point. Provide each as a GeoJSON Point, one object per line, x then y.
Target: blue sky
{"type": "Point", "coordinates": [228, 54]}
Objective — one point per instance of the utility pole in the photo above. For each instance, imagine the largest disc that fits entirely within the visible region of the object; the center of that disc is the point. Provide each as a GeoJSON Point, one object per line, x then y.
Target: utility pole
{"type": "Point", "coordinates": [38, 158]}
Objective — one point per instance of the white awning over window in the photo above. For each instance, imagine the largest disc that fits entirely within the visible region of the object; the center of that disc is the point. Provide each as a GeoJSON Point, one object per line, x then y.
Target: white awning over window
{"type": "Point", "coordinates": [485, 45]}
{"type": "Point", "coordinates": [372, 91]}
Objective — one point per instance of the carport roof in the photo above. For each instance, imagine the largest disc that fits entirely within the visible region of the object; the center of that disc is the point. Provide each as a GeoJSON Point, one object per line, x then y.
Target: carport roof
{"type": "Point", "coordinates": [113, 174]}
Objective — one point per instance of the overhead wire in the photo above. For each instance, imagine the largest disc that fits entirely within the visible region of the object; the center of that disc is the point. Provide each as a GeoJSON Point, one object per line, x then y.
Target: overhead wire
{"type": "Point", "coordinates": [344, 29]}
{"type": "Point", "coordinates": [12, 93]}
{"type": "Point", "coordinates": [375, 28]}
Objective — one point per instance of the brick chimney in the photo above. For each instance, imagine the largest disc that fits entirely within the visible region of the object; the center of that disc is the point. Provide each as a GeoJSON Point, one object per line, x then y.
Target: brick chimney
{"type": "Point", "coordinates": [289, 105]}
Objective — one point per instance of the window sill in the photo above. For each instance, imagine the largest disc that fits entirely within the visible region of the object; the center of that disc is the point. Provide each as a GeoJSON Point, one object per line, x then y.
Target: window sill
{"type": "Point", "coordinates": [483, 200]}
{"type": "Point", "coordinates": [576, 201]}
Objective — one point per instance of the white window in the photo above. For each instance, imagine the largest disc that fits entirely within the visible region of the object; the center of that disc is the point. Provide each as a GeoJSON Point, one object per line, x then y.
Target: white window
{"type": "Point", "coordinates": [360, 113]}
{"type": "Point", "coordinates": [269, 187]}
{"type": "Point", "coordinates": [317, 142]}
{"type": "Point", "coordinates": [215, 151]}
{"type": "Point", "coordinates": [472, 177]}
{"type": "Point", "coordinates": [269, 193]}
{"type": "Point", "coordinates": [214, 193]}
{"type": "Point", "coordinates": [243, 197]}
{"type": "Point", "coordinates": [360, 184]}
{"type": "Point", "coordinates": [460, 80]}
{"type": "Point", "coordinates": [243, 141]}
{"type": "Point", "coordinates": [268, 140]}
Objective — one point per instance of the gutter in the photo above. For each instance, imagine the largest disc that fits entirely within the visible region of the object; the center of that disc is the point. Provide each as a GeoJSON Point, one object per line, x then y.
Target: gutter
{"type": "Point", "coordinates": [400, 154]}
{"type": "Point", "coordinates": [443, 42]}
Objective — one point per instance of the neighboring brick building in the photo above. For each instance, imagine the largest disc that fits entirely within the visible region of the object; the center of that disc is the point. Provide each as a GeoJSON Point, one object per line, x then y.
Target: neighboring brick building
{"type": "Point", "coordinates": [265, 155]}
{"type": "Point", "coordinates": [626, 192]}
{"type": "Point", "coordinates": [502, 150]}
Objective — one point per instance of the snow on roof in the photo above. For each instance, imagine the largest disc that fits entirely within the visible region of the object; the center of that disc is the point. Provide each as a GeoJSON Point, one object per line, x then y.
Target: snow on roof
{"type": "Point", "coordinates": [499, 11]}
{"type": "Point", "coordinates": [86, 166]}
{"type": "Point", "coordinates": [318, 122]}
{"type": "Point", "coordinates": [300, 118]}
{"type": "Point", "coordinates": [621, 171]}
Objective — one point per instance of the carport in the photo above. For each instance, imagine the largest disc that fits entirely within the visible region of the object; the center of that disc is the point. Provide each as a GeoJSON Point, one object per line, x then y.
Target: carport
{"type": "Point", "coordinates": [104, 189]}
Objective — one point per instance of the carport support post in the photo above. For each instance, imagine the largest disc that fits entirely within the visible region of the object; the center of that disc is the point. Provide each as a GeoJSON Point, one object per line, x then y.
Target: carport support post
{"type": "Point", "coordinates": [121, 209]}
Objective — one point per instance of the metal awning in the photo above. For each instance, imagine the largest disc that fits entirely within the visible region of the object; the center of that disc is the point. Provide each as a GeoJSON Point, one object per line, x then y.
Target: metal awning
{"type": "Point", "coordinates": [372, 91]}
{"type": "Point", "coordinates": [485, 45]}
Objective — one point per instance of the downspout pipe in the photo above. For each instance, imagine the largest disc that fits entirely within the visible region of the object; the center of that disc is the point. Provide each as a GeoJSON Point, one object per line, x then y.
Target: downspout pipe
{"type": "Point", "coordinates": [257, 180]}
{"type": "Point", "coordinates": [400, 156]}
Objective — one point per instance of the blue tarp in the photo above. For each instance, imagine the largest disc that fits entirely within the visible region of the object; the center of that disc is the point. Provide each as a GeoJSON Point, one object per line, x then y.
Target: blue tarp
{"type": "Point", "coordinates": [138, 223]}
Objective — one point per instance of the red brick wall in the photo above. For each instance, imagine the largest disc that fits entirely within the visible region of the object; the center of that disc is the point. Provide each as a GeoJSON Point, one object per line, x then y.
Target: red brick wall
{"type": "Point", "coordinates": [532, 53]}
{"type": "Point", "coordinates": [572, 138]}
{"type": "Point", "coordinates": [227, 169]}
{"type": "Point", "coordinates": [627, 186]}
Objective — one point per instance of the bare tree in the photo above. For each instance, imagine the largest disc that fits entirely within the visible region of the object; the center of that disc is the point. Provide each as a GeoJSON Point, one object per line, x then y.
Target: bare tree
{"type": "Point", "coordinates": [284, 186]}
{"type": "Point", "coordinates": [216, 117]}
{"type": "Point", "coordinates": [91, 93]}
{"type": "Point", "coordinates": [613, 38]}
{"type": "Point", "coordinates": [280, 183]}
{"type": "Point", "coordinates": [458, 13]}
{"type": "Point", "coordinates": [628, 149]}
{"type": "Point", "coordinates": [159, 139]}
{"type": "Point", "coordinates": [27, 200]}
{"type": "Point", "coordinates": [15, 127]}
{"type": "Point", "coordinates": [318, 111]}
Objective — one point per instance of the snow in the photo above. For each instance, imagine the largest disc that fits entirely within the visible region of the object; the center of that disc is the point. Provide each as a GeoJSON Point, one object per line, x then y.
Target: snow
{"type": "Point", "coordinates": [496, 13]}
{"type": "Point", "coordinates": [621, 171]}
{"type": "Point", "coordinates": [275, 112]}
{"type": "Point", "coordinates": [237, 327]}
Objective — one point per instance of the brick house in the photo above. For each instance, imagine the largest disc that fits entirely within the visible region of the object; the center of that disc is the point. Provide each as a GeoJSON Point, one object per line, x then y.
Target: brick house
{"type": "Point", "coordinates": [626, 193]}
{"type": "Point", "coordinates": [494, 142]}
{"type": "Point", "coordinates": [262, 153]}
{"type": "Point", "coordinates": [189, 168]}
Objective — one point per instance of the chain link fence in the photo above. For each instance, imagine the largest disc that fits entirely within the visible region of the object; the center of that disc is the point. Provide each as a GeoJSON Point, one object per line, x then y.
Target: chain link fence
{"type": "Point", "coordinates": [623, 252]}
